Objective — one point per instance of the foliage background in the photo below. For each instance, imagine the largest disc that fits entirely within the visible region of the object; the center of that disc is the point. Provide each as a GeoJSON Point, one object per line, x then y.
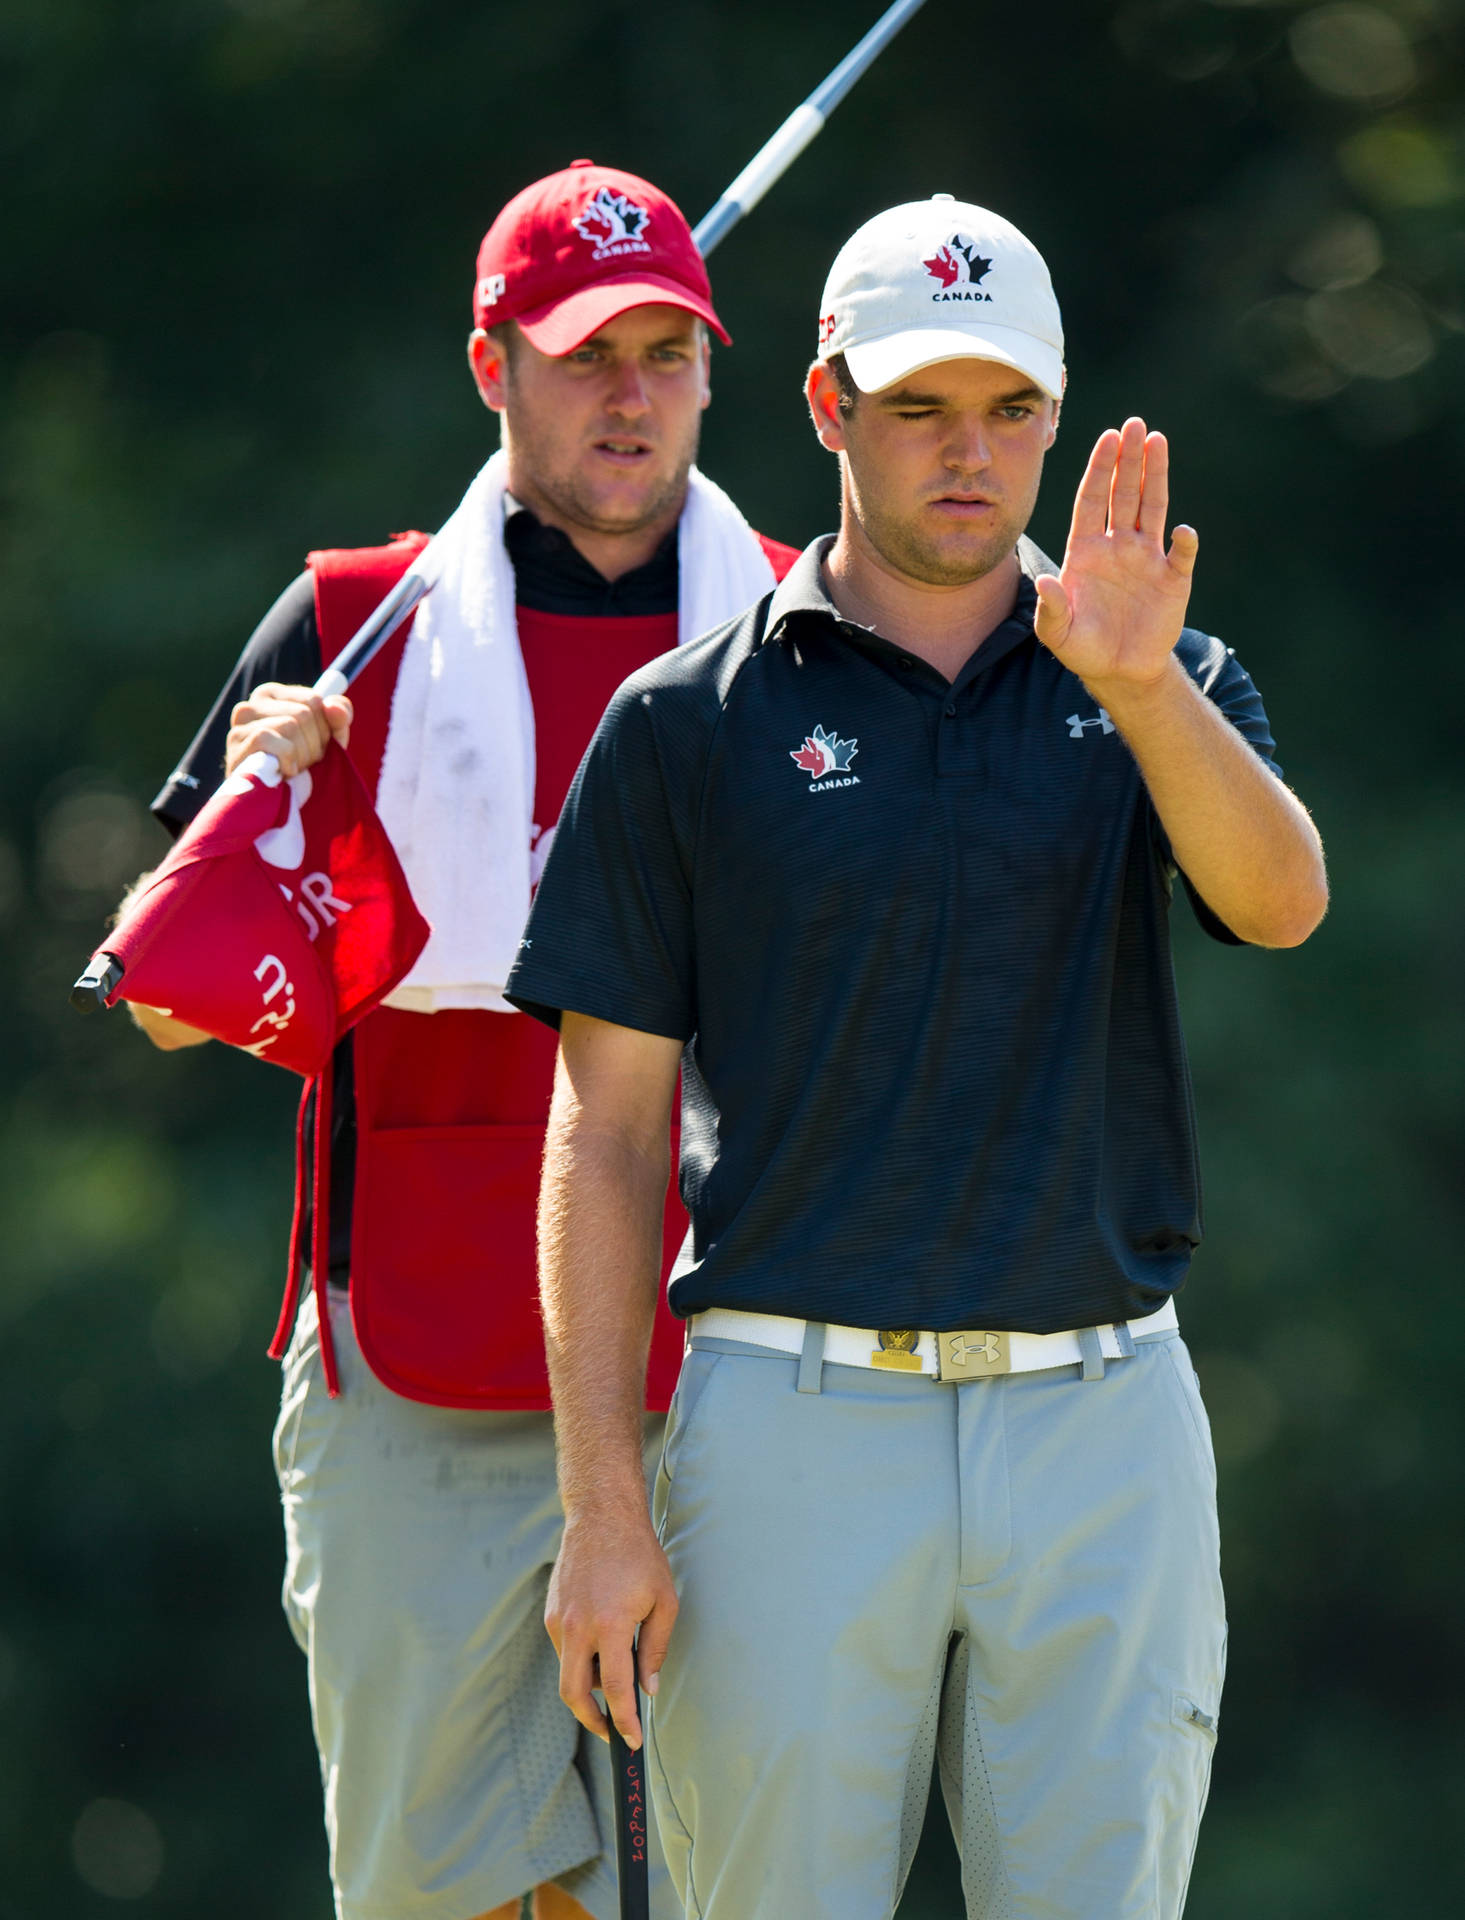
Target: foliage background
{"type": "Point", "coordinates": [239, 245]}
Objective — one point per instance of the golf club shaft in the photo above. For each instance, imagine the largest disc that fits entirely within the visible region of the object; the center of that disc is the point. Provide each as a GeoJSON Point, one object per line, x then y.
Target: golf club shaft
{"type": "Point", "coordinates": [378, 627]}
{"type": "Point", "coordinates": [776, 156]}
{"type": "Point", "coordinates": [771, 161]}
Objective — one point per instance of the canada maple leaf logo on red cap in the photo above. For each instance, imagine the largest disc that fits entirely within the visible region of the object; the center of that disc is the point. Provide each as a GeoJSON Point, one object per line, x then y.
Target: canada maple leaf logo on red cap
{"type": "Point", "coordinates": [608, 218]}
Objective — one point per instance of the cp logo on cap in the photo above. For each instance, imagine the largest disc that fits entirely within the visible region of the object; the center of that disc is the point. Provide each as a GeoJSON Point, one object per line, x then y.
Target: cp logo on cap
{"type": "Point", "coordinates": [958, 263]}
{"type": "Point", "coordinates": [613, 223]}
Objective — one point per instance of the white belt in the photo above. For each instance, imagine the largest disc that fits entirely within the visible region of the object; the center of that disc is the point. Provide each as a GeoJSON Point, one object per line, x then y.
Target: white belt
{"type": "Point", "coordinates": [962, 1354]}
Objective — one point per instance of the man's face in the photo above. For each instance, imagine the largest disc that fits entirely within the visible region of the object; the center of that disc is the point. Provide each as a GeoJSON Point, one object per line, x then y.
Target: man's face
{"type": "Point", "coordinates": [941, 471]}
{"type": "Point", "coordinates": [602, 437]}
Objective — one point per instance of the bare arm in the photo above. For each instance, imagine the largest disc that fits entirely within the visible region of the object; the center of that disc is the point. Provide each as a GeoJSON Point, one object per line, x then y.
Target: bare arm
{"type": "Point", "coordinates": [1245, 842]}
{"type": "Point", "coordinates": [1113, 618]}
{"type": "Point", "coordinates": [600, 1217]}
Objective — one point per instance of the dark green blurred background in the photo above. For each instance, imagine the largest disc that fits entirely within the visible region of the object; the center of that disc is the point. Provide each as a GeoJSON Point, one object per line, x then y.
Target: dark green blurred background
{"type": "Point", "coordinates": [239, 240]}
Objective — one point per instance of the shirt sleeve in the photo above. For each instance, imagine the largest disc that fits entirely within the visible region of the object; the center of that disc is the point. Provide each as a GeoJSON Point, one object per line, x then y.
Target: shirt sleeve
{"type": "Point", "coordinates": [285, 646]}
{"type": "Point", "coordinates": [610, 933]}
{"type": "Point", "coordinates": [1222, 679]}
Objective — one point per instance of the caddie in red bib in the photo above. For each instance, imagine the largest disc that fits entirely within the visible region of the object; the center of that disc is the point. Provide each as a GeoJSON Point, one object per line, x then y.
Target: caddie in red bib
{"type": "Point", "coordinates": [414, 1447]}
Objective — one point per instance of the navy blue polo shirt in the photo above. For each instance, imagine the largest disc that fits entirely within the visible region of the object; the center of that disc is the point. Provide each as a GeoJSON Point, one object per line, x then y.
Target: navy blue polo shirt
{"type": "Point", "coordinates": [915, 936]}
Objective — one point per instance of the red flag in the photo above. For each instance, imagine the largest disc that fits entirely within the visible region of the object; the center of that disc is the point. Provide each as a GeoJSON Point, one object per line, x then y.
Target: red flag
{"type": "Point", "coordinates": [279, 918]}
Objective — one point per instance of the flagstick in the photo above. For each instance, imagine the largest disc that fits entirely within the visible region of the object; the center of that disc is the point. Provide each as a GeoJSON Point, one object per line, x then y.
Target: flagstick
{"type": "Point", "coordinates": [776, 156]}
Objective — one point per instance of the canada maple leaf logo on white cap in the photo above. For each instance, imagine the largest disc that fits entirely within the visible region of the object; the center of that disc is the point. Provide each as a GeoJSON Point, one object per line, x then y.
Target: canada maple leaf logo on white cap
{"type": "Point", "coordinates": [958, 260]}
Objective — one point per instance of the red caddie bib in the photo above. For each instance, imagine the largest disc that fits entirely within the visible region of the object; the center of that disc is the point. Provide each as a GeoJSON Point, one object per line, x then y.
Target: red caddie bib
{"type": "Point", "coordinates": [451, 1107]}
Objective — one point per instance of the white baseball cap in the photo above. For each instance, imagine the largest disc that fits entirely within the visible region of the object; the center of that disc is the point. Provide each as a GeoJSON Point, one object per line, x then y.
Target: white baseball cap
{"type": "Point", "coordinates": [940, 279]}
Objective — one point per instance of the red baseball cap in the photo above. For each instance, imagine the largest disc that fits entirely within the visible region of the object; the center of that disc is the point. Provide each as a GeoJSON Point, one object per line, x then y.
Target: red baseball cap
{"type": "Point", "coordinates": [581, 246]}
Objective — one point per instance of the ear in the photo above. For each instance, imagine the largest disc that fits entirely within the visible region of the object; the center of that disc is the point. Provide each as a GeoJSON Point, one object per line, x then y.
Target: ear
{"type": "Point", "coordinates": [1057, 410]}
{"type": "Point", "coordinates": [821, 390]}
{"type": "Point", "coordinates": [489, 367]}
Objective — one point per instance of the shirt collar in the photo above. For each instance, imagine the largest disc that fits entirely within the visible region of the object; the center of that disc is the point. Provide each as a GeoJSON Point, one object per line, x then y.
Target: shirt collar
{"type": "Point", "coordinates": [802, 590]}
{"type": "Point", "coordinates": [552, 574]}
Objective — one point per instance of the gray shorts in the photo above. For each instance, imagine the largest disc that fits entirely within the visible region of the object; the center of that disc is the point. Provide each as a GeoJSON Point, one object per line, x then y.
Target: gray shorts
{"type": "Point", "coordinates": [1019, 1574]}
{"type": "Point", "coordinates": [419, 1542]}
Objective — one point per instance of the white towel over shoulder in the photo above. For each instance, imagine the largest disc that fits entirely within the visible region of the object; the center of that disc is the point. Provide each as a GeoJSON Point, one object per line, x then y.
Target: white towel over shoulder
{"type": "Point", "coordinates": [457, 780]}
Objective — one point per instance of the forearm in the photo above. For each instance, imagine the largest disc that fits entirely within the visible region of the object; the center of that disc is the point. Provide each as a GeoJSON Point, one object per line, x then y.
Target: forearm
{"type": "Point", "coordinates": [1244, 841]}
{"type": "Point", "coordinates": [163, 1030]}
{"type": "Point", "coordinates": [600, 1223]}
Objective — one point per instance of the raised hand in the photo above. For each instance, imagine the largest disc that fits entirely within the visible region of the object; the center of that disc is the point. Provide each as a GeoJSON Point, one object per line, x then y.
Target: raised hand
{"type": "Point", "coordinates": [1115, 612]}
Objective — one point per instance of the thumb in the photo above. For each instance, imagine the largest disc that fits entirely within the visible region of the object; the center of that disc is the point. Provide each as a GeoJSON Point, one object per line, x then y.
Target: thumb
{"type": "Point", "coordinates": [339, 714]}
{"type": "Point", "coordinates": [1054, 616]}
{"type": "Point", "coordinates": [1184, 546]}
{"type": "Point", "coordinates": [652, 1643]}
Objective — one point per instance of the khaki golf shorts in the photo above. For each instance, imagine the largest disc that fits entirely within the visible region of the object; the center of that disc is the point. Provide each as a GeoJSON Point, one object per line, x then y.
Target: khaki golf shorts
{"type": "Point", "coordinates": [1019, 1574]}
{"type": "Point", "coordinates": [419, 1542]}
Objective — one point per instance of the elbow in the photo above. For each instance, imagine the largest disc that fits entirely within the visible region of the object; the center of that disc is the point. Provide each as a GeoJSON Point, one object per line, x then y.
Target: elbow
{"type": "Point", "coordinates": [1299, 919]}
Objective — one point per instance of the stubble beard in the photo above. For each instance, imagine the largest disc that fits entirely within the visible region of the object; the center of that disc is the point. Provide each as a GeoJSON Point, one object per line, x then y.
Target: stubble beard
{"type": "Point", "coordinates": [903, 546]}
{"type": "Point", "coordinates": [573, 499]}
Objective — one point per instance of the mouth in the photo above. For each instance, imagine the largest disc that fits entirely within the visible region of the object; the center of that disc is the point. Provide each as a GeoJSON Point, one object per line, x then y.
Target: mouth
{"type": "Point", "coordinates": [963, 507]}
{"type": "Point", "coordinates": [624, 450]}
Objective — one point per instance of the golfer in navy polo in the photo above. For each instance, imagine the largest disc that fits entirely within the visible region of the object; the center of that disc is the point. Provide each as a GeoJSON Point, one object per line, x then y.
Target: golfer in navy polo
{"type": "Point", "coordinates": [884, 869]}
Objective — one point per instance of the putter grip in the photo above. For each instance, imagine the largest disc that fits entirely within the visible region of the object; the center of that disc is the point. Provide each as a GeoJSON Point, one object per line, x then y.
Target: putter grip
{"type": "Point", "coordinates": [632, 1817]}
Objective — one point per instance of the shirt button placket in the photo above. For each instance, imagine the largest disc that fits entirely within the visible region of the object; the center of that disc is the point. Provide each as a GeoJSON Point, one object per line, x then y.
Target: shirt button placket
{"type": "Point", "coordinates": [946, 747]}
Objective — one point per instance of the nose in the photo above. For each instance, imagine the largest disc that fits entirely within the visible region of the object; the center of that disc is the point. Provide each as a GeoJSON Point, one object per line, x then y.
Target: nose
{"type": "Point", "coordinates": [969, 449]}
{"type": "Point", "coordinates": [628, 396]}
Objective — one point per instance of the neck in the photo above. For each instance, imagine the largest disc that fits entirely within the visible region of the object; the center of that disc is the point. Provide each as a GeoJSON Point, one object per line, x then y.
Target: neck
{"type": "Point", "coordinates": [942, 625]}
{"type": "Point", "coordinates": [611, 552]}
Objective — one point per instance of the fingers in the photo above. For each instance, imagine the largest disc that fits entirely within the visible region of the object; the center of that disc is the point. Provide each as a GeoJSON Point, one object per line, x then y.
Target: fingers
{"type": "Point", "coordinates": [1129, 478]}
{"type": "Point", "coordinates": [1126, 486]}
{"type": "Point", "coordinates": [618, 1684]}
{"type": "Point", "coordinates": [577, 1684]}
{"type": "Point", "coordinates": [292, 723]}
{"type": "Point", "coordinates": [1154, 504]}
{"type": "Point", "coordinates": [602, 1590]}
{"type": "Point", "coordinates": [1091, 503]}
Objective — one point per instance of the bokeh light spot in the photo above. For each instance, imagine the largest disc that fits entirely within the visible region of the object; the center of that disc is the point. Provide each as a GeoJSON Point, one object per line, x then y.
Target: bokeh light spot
{"type": "Point", "coordinates": [1353, 52]}
{"type": "Point", "coordinates": [1344, 251]}
{"type": "Point", "coordinates": [1399, 163]}
{"type": "Point", "coordinates": [1376, 332]}
{"type": "Point", "coordinates": [117, 1850]}
{"type": "Point", "coordinates": [1280, 354]}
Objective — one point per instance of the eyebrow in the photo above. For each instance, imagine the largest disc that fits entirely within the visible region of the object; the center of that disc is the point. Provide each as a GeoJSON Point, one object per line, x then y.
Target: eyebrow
{"type": "Point", "coordinates": [684, 336]}
{"type": "Point", "coordinates": [910, 397]}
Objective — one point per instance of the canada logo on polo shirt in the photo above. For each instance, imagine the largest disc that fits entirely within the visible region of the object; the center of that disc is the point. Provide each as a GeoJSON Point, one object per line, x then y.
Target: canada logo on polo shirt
{"type": "Point", "coordinates": [824, 753]}
{"type": "Point", "coordinates": [613, 223]}
{"type": "Point", "coordinates": [960, 269]}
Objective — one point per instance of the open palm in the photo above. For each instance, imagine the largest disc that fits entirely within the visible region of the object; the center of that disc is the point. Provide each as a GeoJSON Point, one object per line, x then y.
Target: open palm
{"type": "Point", "coordinates": [1116, 610]}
